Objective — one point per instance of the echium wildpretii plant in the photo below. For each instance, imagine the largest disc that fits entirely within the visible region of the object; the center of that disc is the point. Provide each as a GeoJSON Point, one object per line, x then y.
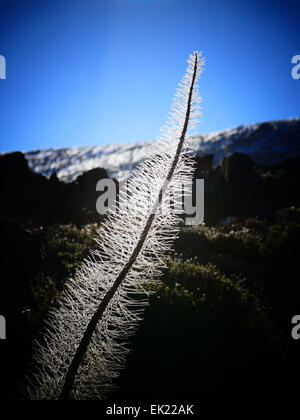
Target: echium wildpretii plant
{"type": "Point", "coordinates": [84, 343]}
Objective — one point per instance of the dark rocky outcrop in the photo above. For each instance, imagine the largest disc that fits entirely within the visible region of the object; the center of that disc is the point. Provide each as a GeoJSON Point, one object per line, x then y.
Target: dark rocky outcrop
{"type": "Point", "coordinates": [240, 188]}
{"type": "Point", "coordinates": [32, 198]}
{"type": "Point", "coordinates": [236, 188]}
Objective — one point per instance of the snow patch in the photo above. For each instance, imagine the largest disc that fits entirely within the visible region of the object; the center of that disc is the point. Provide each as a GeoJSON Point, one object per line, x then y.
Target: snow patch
{"type": "Point", "coordinates": [266, 143]}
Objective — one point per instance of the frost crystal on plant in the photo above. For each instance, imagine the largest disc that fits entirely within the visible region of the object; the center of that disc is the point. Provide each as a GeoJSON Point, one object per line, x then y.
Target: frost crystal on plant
{"type": "Point", "coordinates": [131, 245]}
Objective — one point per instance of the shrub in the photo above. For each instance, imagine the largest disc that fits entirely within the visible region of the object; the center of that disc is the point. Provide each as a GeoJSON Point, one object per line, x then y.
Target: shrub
{"type": "Point", "coordinates": [65, 247]}
{"type": "Point", "coordinates": [203, 336]}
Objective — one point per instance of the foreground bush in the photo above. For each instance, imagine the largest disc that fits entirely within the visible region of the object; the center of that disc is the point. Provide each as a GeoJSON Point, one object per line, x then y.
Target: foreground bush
{"type": "Point", "coordinates": [204, 336]}
{"type": "Point", "coordinates": [219, 324]}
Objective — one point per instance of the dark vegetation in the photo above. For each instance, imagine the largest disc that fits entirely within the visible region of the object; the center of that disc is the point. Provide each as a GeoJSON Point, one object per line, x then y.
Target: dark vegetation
{"type": "Point", "coordinates": [31, 198]}
{"type": "Point", "coordinates": [218, 326]}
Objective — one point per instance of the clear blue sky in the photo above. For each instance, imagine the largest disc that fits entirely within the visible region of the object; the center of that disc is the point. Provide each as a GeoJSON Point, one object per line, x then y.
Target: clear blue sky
{"type": "Point", "coordinates": [85, 72]}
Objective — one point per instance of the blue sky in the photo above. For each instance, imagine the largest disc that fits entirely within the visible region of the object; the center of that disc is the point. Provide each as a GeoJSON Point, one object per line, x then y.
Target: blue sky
{"type": "Point", "coordinates": [92, 72]}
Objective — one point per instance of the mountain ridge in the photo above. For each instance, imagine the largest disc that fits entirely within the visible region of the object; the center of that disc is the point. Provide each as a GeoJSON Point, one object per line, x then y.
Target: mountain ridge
{"type": "Point", "coordinates": [266, 143]}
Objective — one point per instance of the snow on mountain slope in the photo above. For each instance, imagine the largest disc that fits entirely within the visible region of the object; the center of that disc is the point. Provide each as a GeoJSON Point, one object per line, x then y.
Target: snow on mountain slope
{"type": "Point", "coordinates": [71, 162]}
{"type": "Point", "coordinates": [265, 143]}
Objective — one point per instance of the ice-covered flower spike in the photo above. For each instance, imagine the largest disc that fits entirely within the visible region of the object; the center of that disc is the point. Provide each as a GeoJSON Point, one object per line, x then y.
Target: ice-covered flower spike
{"type": "Point", "coordinates": [84, 342]}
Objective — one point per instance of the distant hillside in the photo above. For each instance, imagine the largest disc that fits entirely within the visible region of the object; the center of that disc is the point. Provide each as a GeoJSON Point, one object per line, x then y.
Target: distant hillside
{"type": "Point", "coordinates": [236, 182]}
{"type": "Point", "coordinates": [266, 143]}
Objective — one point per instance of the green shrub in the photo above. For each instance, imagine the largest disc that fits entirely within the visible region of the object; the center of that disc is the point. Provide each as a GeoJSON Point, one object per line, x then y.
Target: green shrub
{"type": "Point", "coordinates": [65, 248]}
{"type": "Point", "coordinates": [204, 335]}
{"type": "Point", "coordinates": [209, 330]}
